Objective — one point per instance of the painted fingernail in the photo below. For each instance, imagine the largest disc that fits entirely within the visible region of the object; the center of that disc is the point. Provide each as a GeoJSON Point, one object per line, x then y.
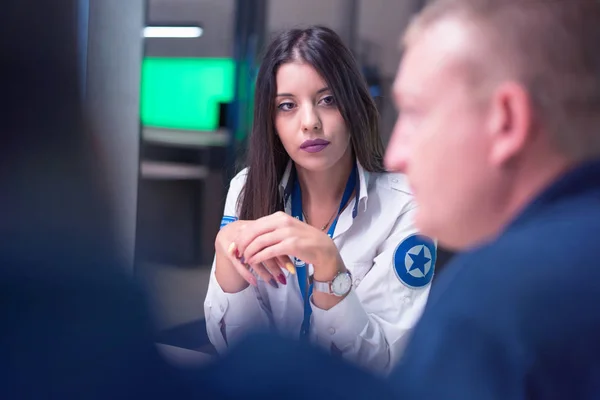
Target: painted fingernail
{"type": "Point", "coordinates": [290, 267]}
{"type": "Point", "coordinates": [242, 260]}
{"type": "Point", "coordinates": [232, 249]}
{"type": "Point", "coordinates": [273, 283]}
{"type": "Point", "coordinates": [281, 279]}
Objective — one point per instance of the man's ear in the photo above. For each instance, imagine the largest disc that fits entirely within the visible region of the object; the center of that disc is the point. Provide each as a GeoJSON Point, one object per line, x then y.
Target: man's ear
{"type": "Point", "coordinates": [510, 122]}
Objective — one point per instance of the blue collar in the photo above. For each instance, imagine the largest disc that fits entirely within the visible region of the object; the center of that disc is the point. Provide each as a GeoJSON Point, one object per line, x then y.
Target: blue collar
{"type": "Point", "coordinates": [584, 179]}
{"type": "Point", "coordinates": [286, 186]}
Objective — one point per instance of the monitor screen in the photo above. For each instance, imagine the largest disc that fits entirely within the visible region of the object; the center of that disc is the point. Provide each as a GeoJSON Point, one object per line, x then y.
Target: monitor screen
{"type": "Point", "coordinates": [185, 93]}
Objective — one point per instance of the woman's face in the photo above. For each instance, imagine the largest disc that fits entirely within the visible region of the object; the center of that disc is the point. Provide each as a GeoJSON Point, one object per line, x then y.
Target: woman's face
{"type": "Point", "coordinates": [307, 118]}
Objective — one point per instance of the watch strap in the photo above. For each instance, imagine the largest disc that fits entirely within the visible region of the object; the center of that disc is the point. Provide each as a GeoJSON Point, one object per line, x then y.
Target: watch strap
{"type": "Point", "coordinates": [325, 287]}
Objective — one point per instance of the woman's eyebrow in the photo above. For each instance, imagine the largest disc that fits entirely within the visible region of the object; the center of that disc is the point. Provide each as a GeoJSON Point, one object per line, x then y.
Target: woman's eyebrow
{"type": "Point", "coordinates": [325, 89]}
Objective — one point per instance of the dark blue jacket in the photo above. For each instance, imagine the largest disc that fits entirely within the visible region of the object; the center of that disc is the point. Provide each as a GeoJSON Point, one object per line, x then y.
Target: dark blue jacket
{"type": "Point", "coordinates": [518, 318]}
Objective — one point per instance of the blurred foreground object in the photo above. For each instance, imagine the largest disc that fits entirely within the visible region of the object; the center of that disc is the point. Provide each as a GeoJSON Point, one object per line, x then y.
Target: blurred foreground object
{"type": "Point", "coordinates": [515, 185]}
{"type": "Point", "coordinates": [73, 324]}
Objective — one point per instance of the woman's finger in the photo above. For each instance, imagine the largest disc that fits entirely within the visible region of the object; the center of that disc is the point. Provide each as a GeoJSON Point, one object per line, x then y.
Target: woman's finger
{"type": "Point", "coordinates": [279, 249]}
{"type": "Point", "coordinates": [265, 274]}
{"type": "Point", "coordinates": [246, 271]}
{"type": "Point", "coordinates": [265, 240]}
{"type": "Point", "coordinates": [273, 267]}
{"type": "Point", "coordinates": [262, 226]}
{"type": "Point", "coordinates": [232, 251]}
{"type": "Point", "coordinates": [243, 270]}
{"type": "Point", "coordinates": [286, 263]}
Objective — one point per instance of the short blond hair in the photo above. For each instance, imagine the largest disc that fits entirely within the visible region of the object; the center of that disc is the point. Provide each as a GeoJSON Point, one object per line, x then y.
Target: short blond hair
{"type": "Point", "coordinates": [553, 47]}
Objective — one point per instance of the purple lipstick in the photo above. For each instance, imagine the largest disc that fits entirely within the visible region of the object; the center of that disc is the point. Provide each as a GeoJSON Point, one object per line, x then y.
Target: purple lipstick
{"type": "Point", "coordinates": [314, 145]}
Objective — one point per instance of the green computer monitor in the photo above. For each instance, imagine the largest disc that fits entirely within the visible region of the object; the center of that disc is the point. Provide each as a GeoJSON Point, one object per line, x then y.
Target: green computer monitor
{"type": "Point", "coordinates": [185, 93]}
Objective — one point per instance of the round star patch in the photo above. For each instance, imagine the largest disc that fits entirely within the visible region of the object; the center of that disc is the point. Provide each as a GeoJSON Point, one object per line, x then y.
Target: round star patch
{"type": "Point", "coordinates": [414, 261]}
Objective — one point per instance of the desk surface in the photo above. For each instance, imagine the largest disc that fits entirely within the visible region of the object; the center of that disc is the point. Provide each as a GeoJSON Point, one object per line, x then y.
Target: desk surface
{"type": "Point", "coordinates": [183, 357]}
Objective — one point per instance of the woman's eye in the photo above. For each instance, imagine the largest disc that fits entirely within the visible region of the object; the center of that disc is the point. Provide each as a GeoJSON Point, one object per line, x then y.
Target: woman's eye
{"type": "Point", "coordinates": [286, 106]}
{"type": "Point", "coordinates": [328, 100]}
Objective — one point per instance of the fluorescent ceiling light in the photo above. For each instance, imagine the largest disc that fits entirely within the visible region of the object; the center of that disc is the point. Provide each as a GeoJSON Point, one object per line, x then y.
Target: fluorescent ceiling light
{"type": "Point", "coordinates": [172, 31]}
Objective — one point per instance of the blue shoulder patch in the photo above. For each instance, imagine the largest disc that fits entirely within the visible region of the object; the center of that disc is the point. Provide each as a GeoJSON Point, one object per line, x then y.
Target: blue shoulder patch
{"type": "Point", "coordinates": [414, 261]}
{"type": "Point", "coordinates": [227, 220]}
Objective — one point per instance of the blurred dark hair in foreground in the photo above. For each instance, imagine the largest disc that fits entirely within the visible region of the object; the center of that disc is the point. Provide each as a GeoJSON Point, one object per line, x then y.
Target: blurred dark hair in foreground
{"type": "Point", "coordinates": [72, 325]}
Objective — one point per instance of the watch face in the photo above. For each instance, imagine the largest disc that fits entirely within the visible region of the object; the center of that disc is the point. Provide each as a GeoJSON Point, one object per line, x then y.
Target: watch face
{"type": "Point", "coordinates": [341, 284]}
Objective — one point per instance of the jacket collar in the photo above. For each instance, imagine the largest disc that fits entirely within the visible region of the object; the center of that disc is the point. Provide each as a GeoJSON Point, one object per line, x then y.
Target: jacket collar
{"type": "Point", "coordinates": [581, 180]}
{"type": "Point", "coordinates": [362, 179]}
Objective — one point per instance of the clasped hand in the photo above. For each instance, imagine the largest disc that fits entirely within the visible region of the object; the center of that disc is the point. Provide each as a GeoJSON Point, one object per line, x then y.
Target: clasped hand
{"type": "Point", "coordinates": [266, 244]}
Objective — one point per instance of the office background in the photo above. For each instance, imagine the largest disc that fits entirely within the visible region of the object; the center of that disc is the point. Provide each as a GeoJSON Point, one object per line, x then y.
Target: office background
{"type": "Point", "coordinates": [171, 116]}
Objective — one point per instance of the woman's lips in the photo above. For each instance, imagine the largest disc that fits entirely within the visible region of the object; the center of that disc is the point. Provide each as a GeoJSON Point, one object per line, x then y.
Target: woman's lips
{"type": "Point", "coordinates": [314, 145]}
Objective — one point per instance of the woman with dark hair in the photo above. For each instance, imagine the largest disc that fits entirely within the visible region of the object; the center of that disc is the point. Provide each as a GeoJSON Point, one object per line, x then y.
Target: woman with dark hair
{"type": "Point", "coordinates": [315, 201]}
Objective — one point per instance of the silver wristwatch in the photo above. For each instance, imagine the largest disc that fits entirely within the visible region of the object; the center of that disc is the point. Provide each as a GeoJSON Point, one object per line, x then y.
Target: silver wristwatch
{"type": "Point", "coordinates": [339, 286]}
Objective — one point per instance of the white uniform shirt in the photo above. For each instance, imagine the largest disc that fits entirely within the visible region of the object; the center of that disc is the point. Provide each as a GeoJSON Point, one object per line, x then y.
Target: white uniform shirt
{"type": "Point", "coordinates": [391, 270]}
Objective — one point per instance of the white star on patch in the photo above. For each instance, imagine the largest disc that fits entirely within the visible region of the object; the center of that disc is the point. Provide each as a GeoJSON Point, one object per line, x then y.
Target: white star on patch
{"type": "Point", "coordinates": [419, 252]}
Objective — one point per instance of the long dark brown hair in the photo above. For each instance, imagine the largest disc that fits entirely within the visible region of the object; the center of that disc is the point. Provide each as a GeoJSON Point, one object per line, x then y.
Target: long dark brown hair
{"type": "Point", "coordinates": [267, 159]}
